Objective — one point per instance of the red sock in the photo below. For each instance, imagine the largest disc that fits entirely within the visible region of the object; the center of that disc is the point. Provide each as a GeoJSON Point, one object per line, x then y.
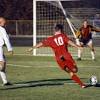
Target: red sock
{"type": "Point", "coordinates": [77, 79]}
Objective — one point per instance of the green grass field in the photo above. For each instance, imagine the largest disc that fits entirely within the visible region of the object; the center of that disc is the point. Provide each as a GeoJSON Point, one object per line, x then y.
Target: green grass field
{"type": "Point", "coordinates": [40, 78]}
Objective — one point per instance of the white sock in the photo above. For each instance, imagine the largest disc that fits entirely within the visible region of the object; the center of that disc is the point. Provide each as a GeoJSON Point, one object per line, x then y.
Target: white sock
{"type": "Point", "coordinates": [3, 77]}
{"type": "Point", "coordinates": [93, 55]}
{"type": "Point", "coordinates": [79, 53]}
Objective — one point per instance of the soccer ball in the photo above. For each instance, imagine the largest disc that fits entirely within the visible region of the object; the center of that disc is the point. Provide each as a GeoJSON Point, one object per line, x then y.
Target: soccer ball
{"type": "Point", "coordinates": [93, 80]}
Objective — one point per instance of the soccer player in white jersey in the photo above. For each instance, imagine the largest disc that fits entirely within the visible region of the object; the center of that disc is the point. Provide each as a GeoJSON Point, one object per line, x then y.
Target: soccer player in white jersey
{"type": "Point", "coordinates": [4, 39]}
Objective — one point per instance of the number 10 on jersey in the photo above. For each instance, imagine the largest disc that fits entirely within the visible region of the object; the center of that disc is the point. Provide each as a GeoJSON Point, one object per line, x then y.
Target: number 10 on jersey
{"type": "Point", "coordinates": [59, 41]}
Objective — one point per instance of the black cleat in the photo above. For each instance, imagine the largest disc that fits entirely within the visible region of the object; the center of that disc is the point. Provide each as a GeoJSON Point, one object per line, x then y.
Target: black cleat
{"type": "Point", "coordinates": [79, 59]}
{"type": "Point", "coordinates": [7, 84]}
{"type": "Point", "coordinates": [93, 59]}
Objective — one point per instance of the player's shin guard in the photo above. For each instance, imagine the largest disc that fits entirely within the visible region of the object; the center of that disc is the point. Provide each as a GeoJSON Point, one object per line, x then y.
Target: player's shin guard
{"type": "Point", "coordinates": [93, 55]}
{"type": "Point", "coordinates": [77, 80]}
{"type": "Point", "coordinates": [3, 75]}
{"type": "Point", "coordinates": [79, 53]}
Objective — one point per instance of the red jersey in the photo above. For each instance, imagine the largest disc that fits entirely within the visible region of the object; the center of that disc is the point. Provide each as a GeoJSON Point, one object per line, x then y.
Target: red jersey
{"type": "Point", "coordinates": [59, 44]}
{"type": "Point", "coordinates": [86, 32]}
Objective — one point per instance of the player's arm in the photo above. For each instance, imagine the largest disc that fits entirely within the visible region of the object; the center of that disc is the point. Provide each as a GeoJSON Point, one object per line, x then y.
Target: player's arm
{"type": "Point", "coordinates": [34, 47]}
{"type": "Point", "coordinates": [73, 44]}
{"type": "Point", "coordinates": [95, 29]}
{"type": "Point", "coordinates": [44, 43]}
{"type": "Point", "coordinates": [7, 41]}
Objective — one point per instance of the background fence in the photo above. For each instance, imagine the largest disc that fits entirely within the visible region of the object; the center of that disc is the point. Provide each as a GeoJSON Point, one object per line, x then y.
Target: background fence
{"type": "Point", "coordinates": [21, 32]}
{"type": "Point", "coordinates": [20, 27]}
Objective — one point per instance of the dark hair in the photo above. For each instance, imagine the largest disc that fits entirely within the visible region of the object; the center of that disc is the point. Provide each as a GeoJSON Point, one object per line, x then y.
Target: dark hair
{"type": "Point", "coordinates": [85, 20]}
{"type": "Point", "coordinates": [59, 27]}
{"type": "Point", "coordinates": [2, 17]}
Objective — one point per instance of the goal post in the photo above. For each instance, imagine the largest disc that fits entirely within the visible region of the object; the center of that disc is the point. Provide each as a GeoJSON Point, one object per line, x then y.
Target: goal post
{"type": "Point", "coordinates": [47, 13]}
{"type": "Point", "coordinates": [34, 26]}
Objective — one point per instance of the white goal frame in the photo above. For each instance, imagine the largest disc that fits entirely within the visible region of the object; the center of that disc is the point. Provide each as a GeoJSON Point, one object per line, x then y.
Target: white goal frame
{"type": "Point", "coordinates": [34, 21]}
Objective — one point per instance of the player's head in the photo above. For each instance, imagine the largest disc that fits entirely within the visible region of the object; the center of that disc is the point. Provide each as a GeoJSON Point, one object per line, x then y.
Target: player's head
{"type": "Point", "coordinates": [85, 23]}
{"type": "Point", "coordinates": [2, 21]}
{"type": "Point", "coordinates": [59, 27]}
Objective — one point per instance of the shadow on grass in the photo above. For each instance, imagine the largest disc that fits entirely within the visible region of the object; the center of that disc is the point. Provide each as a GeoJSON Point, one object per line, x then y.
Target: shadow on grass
{"type": "Point", "coordinates": [46, 80]}
{"type": "Point", "coordinates": [97, 85]}
{"type": "Point", "coordinates": [38, 83]}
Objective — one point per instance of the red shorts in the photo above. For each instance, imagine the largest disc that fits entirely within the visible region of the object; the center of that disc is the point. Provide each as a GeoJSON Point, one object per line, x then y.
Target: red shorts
{"type": "Point", "coordinates": [68, 62]}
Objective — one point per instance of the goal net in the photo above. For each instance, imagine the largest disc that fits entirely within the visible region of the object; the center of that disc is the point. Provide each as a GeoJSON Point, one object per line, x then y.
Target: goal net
{"type": "Point", "coordinates": [47, 13]}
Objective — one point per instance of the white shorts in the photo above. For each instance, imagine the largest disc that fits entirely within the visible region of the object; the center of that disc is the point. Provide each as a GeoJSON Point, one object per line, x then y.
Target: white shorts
{"type": "Point", "coordinates": [2, 57]}
{"type": "Point", "coordinates": [90, 42]}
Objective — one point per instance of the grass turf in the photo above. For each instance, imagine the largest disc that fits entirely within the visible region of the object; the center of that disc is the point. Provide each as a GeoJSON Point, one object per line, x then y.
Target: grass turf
{"type": "Point", "coordinates": [40, 78]}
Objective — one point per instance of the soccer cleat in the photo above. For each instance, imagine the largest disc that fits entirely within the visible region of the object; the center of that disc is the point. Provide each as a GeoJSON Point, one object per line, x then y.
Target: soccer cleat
{"type": "Point", "coordinates": [7, 84]}
{"type": "Point", "coordinates": [79, 59]}
{"type": "Point", "coordinates": [94, 59]}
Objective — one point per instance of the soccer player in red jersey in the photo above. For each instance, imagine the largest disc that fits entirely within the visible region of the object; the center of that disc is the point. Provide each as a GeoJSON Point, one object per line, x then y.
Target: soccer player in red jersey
{"type": "Point", "coordinates": [59, 43]}
{"type": "Point", "coordinates": [85, 38]}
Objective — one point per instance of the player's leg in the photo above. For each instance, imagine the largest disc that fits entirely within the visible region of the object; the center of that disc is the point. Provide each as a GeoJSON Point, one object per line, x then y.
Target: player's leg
{"type": "Point", "coordinates": [68, 64]}
{"type": "Point", "coordinates": [2, 72]}
{"type": "Point", "coordinates": [74, 77]}
{"type": "Point", "coordinates": [90, 45]}
{"type": "Point", "coordinates": [71, 68]}
{"type": "Point", "coordinates": [3, 68]}
{"type": "Point", "coordinates": [80, 51]}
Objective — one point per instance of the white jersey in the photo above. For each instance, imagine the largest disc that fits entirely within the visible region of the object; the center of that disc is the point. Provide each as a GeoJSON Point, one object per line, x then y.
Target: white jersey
{"type": "Point", "coordinates": [4, 39]}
